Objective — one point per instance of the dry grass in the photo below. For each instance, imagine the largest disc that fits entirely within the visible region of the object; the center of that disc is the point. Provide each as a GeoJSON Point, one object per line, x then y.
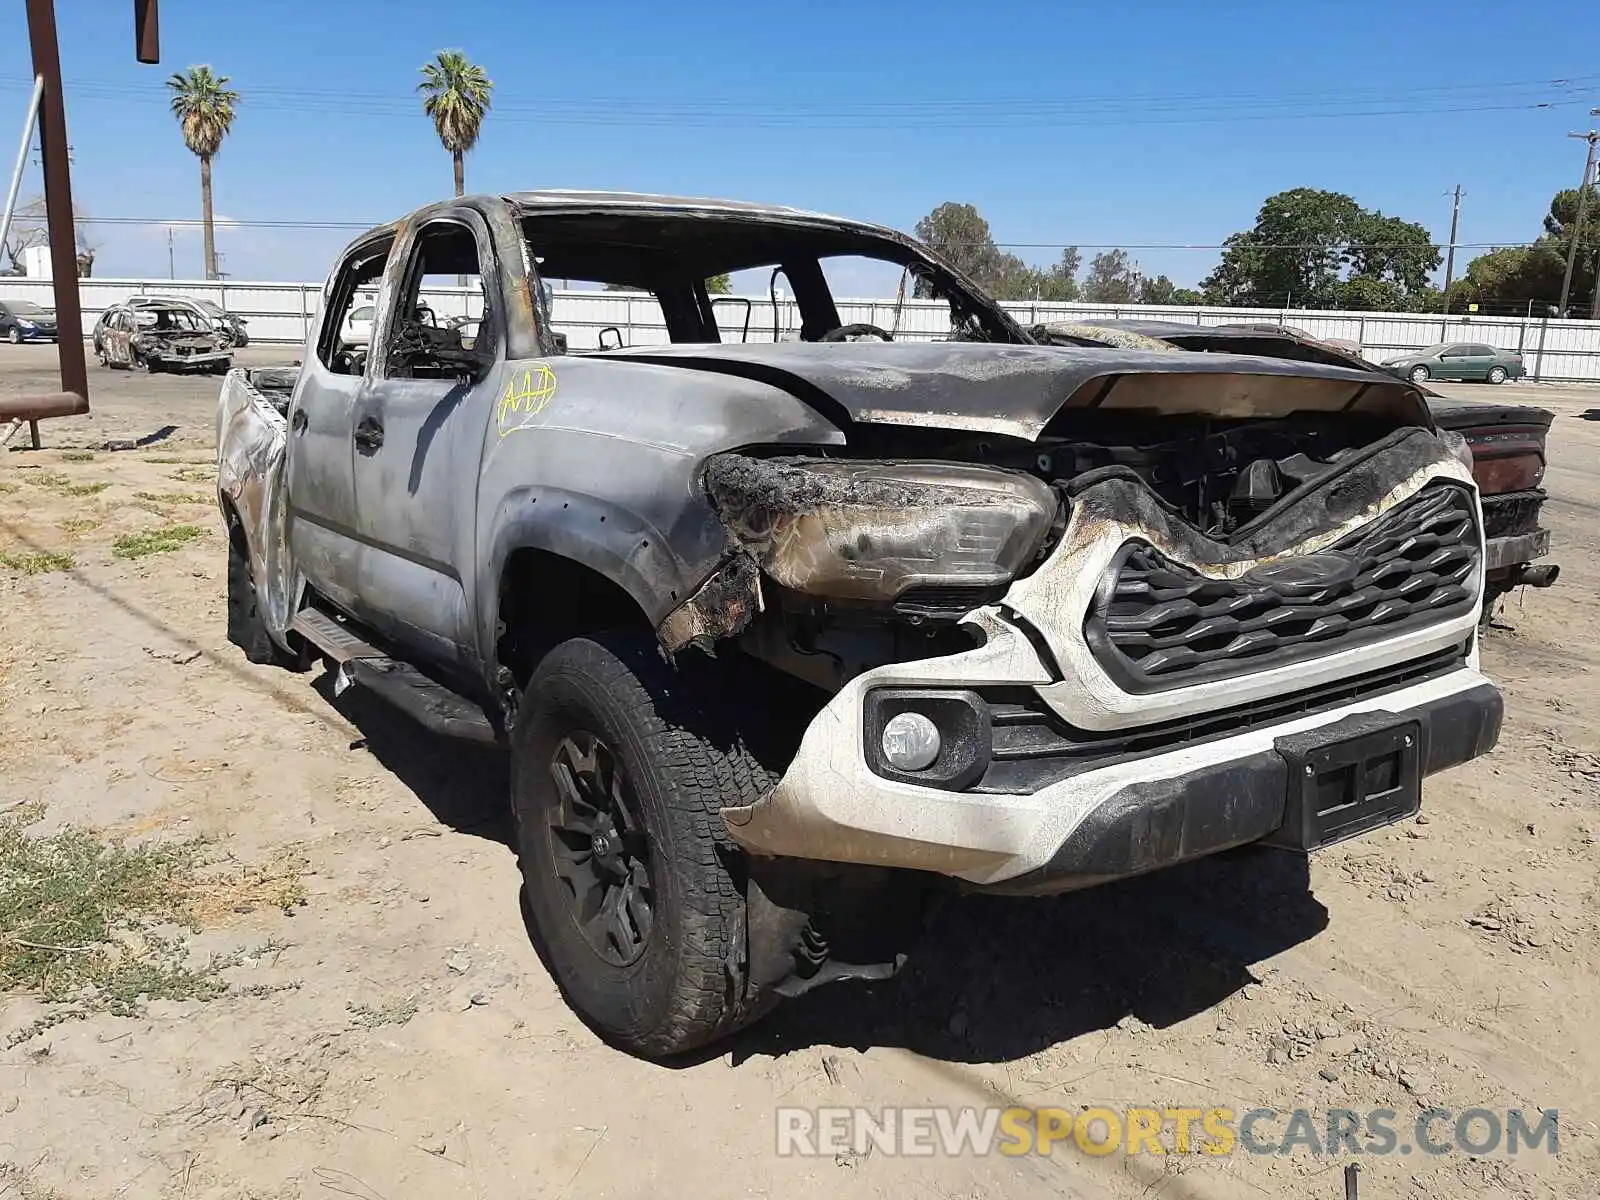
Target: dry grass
{"type": "Point", "coordinates": [40, 563]}
{"type": "Point", "coordinates": [79, 525]}
{"type": "Point", "coordinates": [214, 899]}
{"type": "Point", "coordinates": [394, 1012]}
{"type": "Point", "coordinates": [195, 475]}
{"type": "Point", "coordinates": [171, 498]}
{"type": "Point", "coordinates": [77, 456]}
{"type": "Point", "coordinates": [155, 541]}
{"type": "Point", "coordinates": [92, 924]}
{"type": "Point", "coordinates": [18, 1181]}
{"type": "Point", "coordinates": [65, 486]}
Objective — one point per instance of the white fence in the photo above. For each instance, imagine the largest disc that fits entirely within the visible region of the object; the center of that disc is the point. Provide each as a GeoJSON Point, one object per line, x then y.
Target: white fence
{"type": "Point", "coordinates": [282, 312]}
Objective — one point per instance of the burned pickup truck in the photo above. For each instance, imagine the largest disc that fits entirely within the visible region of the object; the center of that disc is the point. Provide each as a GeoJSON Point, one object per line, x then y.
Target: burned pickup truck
{"type": "Point", "coordinates": [786, 637]}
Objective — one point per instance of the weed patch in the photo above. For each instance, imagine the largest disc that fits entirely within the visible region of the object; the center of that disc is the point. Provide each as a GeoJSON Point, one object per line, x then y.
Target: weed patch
{"type": "Point", "coordinates": [396, 1012]}
{"type": "Point", "coordinates": [60, 483]}
{"type": "Point", "coordinates": [92, 924]}
{"type": "Point", "coordinates": [78, 456]}
{"type": "Point", "coordinates": [155, 541]}
{"type": "Point", "coordinates": [36, 564]}
{"type": "Point", "coordinates": [194, 475]}
{"type": "Point", "coordinates": [171, 498]}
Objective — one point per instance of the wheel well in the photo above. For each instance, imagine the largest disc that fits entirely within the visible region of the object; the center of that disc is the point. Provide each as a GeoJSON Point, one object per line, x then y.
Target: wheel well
{"type": "Point", "coordinates": [546, 599]}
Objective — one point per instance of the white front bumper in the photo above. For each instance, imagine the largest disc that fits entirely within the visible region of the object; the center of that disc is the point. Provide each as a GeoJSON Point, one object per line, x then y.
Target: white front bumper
{"type": "Point", "coordinates": [831, 805]}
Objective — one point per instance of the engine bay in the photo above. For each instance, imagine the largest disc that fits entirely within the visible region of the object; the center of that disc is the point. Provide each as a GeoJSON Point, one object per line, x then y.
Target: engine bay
{"type": "Point", "coordinates": [1216, 474]}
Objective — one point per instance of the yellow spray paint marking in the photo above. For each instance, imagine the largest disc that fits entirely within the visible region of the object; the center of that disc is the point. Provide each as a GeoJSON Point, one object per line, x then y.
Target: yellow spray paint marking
{"type": "Point", "coordinates": [526, 396]}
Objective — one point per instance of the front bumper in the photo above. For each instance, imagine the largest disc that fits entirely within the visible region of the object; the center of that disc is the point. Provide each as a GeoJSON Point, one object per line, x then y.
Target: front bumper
{"type": "Point", "coordinates": [1134, 814]}
{"type": "Point", "coordinates": [178, 362]}
{"type": "Point", "coordinates": [1130, 782]}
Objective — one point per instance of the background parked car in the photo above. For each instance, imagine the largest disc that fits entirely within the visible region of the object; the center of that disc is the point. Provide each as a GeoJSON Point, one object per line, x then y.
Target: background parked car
{"type": "Point", "coordinates": [357, 328]}
{"type": "Point", "coordinates": [23, 320]}
{"type": "Point", "coordinates": [1458, 360]}
{"type": "Point", "coordinates": [161, 336]}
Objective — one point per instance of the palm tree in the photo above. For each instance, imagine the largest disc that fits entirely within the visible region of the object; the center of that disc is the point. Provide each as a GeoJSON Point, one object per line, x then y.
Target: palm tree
{"type": "Point", "coordinates": [455, 93]}
{"type": "Point", "coordinates": [204, 107]}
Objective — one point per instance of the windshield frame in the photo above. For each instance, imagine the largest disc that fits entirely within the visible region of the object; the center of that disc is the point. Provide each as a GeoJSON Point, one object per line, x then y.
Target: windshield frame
{"type": "Point", "coordinates": [670, 250]}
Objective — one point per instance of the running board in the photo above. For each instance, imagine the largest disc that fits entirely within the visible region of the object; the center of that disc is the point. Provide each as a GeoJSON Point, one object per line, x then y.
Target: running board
{"type": "Point", "coordinates": [333, 637]}
{"type": "Point", "coordinates": [421, 698]}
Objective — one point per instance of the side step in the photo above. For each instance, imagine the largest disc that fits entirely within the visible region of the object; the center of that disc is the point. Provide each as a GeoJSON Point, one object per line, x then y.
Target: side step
{"type": "Point", "coordinates": [421, 698]}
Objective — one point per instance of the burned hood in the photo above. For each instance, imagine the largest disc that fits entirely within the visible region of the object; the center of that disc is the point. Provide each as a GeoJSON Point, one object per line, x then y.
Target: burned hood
{"type": "Point", "coordinates": [1017, 390]}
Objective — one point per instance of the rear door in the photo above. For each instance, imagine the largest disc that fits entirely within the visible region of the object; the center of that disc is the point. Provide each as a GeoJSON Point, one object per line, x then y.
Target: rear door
{"type": "Point", "coordinates": [1483, 358]}
{"type": "Point", "coordinates": [1456, 362]}
{"type": "Point", "coordinates": [324, 530]}
{"type": "Point", "coordinates": [416, 458]}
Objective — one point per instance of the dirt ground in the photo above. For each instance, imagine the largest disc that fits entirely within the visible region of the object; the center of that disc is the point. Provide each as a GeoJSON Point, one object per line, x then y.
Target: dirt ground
{"type": "Point", "coordinates": [405, 1041]}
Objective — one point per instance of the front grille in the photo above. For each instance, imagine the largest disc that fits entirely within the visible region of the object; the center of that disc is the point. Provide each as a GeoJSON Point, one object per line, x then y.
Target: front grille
{"type": "Point", "coordinates": [1030, 746]}
{"type": "Point", "coordinates": [1512, 513]}
{"type": "Point", "coordinates": [1158, 624]}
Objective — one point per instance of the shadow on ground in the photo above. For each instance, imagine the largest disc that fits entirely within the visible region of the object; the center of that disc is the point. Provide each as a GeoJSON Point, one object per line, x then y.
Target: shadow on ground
{"type": "Point", "coordinates": [465, 786]}
{"type": "Point", "coordinates": [996, 978]}
{"type": "Point", "coordinates": [993, 978]}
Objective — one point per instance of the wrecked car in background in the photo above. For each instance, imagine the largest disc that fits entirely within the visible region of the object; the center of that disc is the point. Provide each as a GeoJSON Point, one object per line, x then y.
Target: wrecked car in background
{"type": "Point", "coordinates": [785, 637]}
{"type": "Point", "coordinates": [160, 336]}
{"type": "Point", "coordinates": [1507, 440]}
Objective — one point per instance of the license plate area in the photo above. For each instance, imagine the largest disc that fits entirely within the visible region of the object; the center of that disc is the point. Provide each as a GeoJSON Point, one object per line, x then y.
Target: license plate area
{"type": "Point", "coordinates": [1347, 779]}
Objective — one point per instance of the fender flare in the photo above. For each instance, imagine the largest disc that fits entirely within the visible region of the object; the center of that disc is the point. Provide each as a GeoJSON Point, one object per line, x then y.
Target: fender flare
{"type": "Point", "coordinates": [614, 542]}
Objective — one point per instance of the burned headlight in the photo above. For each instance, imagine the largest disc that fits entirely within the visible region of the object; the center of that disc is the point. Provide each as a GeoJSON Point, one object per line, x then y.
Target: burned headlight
{"type": "Point", "coordinates": [871, 530]}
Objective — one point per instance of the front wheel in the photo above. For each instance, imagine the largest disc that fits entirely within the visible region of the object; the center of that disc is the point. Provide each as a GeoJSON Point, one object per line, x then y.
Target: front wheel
{"type": "Point", "coordinates": [14, 336]}
{"type": "Point", "coordinates": [1420, 374]}
{"type": "Point", "coordinates": [1497, 374]}
{"type": "Point", "coordinates": [620, 764]}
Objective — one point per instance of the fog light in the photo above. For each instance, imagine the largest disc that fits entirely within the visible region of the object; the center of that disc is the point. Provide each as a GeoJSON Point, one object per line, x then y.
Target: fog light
{"type": "Point", "coordinates": [910, 741]}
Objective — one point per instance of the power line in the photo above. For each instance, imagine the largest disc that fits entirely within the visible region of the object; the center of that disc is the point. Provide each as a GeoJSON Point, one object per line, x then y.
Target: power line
{"type": "Point", "coordinates": [292, 223]}
{"type": "Point", "coordinates": [745, 103]}
{"type": "Point", "coordinates": [753, 113]}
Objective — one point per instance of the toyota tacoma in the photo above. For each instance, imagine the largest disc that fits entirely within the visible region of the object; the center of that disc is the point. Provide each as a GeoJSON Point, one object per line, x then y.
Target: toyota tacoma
{"type": "Point", "coordinates": [785, 637]}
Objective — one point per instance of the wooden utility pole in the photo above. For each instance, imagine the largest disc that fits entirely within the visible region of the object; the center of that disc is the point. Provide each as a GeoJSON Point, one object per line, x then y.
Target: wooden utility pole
{"type": "Point", "coordinates": [1450, 254]}
{"type": "Point", "coordinates": [1591, 137]}
{"type": "Point", "coordinates": [73, 398]}
{"type": "Point", "coordinates": [58, 198]}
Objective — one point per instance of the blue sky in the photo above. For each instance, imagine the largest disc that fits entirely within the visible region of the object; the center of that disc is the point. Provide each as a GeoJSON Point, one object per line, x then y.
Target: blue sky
{"type": "Point", "coordinates": [1128, 124]}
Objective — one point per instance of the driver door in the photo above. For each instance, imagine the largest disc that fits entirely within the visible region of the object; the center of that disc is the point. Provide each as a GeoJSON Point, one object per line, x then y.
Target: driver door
{"type": "Point", "coordinates": [417, 435]}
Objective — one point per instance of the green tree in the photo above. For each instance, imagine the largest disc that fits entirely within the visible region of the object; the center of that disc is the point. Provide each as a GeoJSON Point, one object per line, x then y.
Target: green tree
{"type": "Point", "coordinates": [1520, 279]}
{"type": "Point", "coordinates": [1307, 244]}
{"type": "Point", "coordinates": [959, 234]}
{"type": "Point", "coordinates": [1113, 278]}
{"type": "Point", "coordinates": [205, 108]}
{"type": "Point", "coordinates": [1159, 290]}
{"type": "Point", "coordinates": [456, 95]}
{"type": "Point", "coordinates": [1190, 296]}
{"type": "Point", "coordinates": [1058, 282]}
{"type": "Point", "coordinates": [719, 285]}
{"type": "Point", "coordinates": [1370, 293]}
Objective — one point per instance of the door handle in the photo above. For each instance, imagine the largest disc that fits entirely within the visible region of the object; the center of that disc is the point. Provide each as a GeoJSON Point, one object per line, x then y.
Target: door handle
{"type": "Point", "coordinates": [369, 433]}
{"type": "Point", "coordinates": [298, 421]}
